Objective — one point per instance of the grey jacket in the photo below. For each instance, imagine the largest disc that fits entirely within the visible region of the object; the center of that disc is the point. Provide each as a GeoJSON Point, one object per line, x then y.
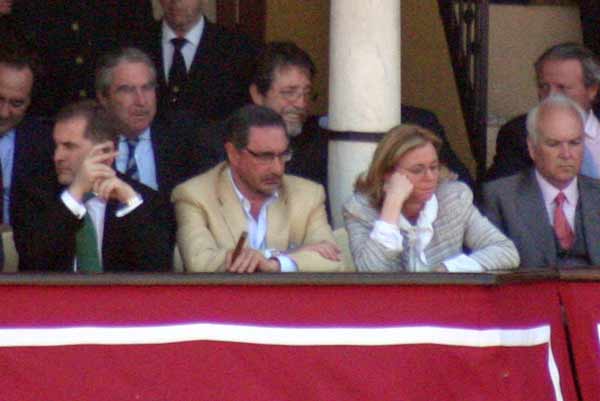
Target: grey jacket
{"type": "Point", "coordinates": [515, 205]}
{"type": "Point", "coordinates": [458, 224]}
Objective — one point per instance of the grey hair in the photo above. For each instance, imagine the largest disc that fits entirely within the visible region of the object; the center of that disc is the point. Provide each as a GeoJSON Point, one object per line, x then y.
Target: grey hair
{"type": "Point", "coordinates": [555, 100]}
{"type": "Point", "coordinates": [573, 51]}
{"type": "Point", "coordinates": [109, 61]}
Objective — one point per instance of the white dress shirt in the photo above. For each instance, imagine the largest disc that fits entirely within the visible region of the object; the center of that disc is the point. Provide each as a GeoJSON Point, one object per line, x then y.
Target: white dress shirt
{"type": "Point", "coordinates": [419, 236]}
{"type": "Point", "coordinates": [257, 230]}
{"type": "Point", "coordinates": [549, 193]}
{"type": "Point", "coordinates": [7, 153]}
{"type": "Point", "coordinates": [591, 162]}
{"type": "Point", "coordinates": [188, 51]}
{"type": "Point", "coordinates": [96, 207]}
{"type": "Point", "coordinates": [144, 159]}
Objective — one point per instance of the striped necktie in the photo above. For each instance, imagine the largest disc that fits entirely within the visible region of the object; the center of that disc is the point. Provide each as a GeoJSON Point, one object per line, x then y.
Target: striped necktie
{"type": "Point", "coordinates": [132, 169]}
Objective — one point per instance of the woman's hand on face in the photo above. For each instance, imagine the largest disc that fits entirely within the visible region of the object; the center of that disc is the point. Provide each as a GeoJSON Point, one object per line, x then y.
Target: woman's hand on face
{"type": "Point", "coordinates": [397, 186]}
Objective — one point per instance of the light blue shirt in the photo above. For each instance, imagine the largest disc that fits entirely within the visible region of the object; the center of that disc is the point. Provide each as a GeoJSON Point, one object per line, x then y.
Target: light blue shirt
{"type": "Point", "coordinates": [257, 230]}
{"type": "Point", "coordinates": [144, 158]}
{"type": "Point", "coordinates": [188, 51]}
{"type": "Point", "coordinates": [7, 153]}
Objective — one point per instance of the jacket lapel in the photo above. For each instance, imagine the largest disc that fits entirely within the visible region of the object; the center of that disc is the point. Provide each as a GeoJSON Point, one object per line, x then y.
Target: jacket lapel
{"type": "Point", "coordinates": [230, 206]}
{"type": "Point", "coordinates": [530, 205]}
{"type": "Point", "coordinates": [202, 51]}
{"type": "Point", "coordinates": [589, 195]}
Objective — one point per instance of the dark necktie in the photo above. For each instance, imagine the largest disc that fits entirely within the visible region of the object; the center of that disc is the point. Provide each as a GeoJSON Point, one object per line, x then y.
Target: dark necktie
{"type": "Point", "coordinates": [562, 229]}
{"type": "Point", "coordinates": [178, 72]}
{"type": "Point", "coordinates": [86, 247]}
{"type": "Point", "coordinates": [132, 169]}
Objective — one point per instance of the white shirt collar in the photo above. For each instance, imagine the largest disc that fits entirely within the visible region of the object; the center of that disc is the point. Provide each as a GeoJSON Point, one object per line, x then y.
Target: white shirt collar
{"type": "Point", "coordinates": [9, 134]}
{"type": "Point", "coordinates": [244, 201]}
{"type": "Point", "coordinates": [592, 125]}
{"type": "Point", "coordinates": [549, 191]}
{"type": "Point", "coordinates": [144, 136]}
{"type": "Point", "coordinates": [420, 235]}
{"type": "Point", "coordinates": [193, 35]}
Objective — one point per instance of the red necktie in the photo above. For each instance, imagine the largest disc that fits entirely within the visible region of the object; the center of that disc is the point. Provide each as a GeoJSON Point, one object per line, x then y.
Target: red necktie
{"type": "Point", "coordinates": [562, 229]}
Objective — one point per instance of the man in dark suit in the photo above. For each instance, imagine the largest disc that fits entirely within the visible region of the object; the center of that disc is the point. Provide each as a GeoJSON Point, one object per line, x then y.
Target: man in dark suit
{"type": "Point", "coordinates": [566, 68]}
{"type": "Point", "coordinates": [25, 141]}
{"type": "Point", "coordinates": [283, 82]}
{"type": "Point", "coordinates": [202, 68]}
{"type": "Point", "coordinates": [96, 220]}
{"type": "Point", "coordinates": [590, 24]}
{"type": "Point", "coordinates": [69, 35]}
{"type": "Point", "coordinates": [550, 211]}
{"type": "Point", "coordinates": [159, 155]}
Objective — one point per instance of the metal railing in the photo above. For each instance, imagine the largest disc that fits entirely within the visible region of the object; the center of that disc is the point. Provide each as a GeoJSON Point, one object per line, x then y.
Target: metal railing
{"type": "Point", "coordinates": [466, 27]}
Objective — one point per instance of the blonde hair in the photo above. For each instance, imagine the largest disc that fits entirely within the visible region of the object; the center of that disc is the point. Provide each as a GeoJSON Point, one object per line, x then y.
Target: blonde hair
{"type": "Point", "coordinates": [396, 143]}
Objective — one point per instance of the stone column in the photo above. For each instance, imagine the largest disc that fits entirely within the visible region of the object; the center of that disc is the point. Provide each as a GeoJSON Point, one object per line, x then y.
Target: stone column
{"type": "Point", "coordinates": [364, 88]}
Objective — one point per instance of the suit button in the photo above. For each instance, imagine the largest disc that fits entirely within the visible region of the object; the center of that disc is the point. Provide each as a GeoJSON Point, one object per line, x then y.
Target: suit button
{"type": "Point", "coordinates": [75, 26]}
{"type": "Point", "coordinates": [79, 60]}
{"type": "Point", "coordinates": [175, 89]}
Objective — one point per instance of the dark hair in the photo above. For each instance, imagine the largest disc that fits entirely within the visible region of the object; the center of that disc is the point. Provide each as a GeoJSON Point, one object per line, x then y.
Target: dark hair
{"type": "Point", "coordinates": [237, 127]}
{"type": "Point", "coordinates": [20, 56]}
{"type": "Point", "coordinates": [101, 125]}
{"type": "Point", "coordinates": [573, 51]}
{"type": "Point", "coordinates": [276, 55]}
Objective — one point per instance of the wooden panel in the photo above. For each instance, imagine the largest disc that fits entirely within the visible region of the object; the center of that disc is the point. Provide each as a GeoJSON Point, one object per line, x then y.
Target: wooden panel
{"type": "Point", "coordinates": [246, 17]}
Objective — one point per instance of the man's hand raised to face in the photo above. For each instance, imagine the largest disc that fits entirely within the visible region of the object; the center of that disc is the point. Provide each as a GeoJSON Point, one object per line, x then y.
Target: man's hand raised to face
{"type": "Point", "coordinates": [94, 168]}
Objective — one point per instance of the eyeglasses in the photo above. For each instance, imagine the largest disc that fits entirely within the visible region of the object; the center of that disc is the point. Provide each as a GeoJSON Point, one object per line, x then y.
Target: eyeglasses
{"type": "Point", "coordinates": [269, 157]}
{"type": "Point", "coordinates": [421, 170]}
{"type": "Point", "coordinates": [293, 95]}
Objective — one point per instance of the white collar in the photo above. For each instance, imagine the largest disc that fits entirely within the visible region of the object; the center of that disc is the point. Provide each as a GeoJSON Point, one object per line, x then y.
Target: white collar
{"type": "Point", "coordinates": [420, 235]}
{"type": "Point", "coordinates": [592, 125]}
{"type": "Point", "coordinates": [144, 136]}
{"type": "Point", "coordinates": [193, 36]}
{"type": "Point", "coordinates": [243, 200]}
{"type": "Point", "coordinates": [549, 191]}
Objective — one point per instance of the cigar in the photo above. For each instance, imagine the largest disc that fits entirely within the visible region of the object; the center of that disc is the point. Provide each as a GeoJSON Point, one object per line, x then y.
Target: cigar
{"type": "Point", "coordinates": [239, 246]}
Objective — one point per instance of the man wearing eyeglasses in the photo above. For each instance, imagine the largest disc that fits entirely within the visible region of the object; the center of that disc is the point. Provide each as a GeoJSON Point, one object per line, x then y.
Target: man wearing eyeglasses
{"type": "Point", "coordinates": [284, 216]}
{"type": "Point", "coordinates": [283, 83]}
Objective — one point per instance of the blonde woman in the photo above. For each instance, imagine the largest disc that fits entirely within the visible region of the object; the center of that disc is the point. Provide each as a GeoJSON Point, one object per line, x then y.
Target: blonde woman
{"type": "Point", "coordinates": [408, 215]}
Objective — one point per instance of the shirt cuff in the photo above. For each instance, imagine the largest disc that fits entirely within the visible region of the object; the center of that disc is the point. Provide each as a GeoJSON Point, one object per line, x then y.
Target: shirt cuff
{"type": "Point", "coordinates": [463, 264]}
{"type": "Point", "coordinates": [130, 206]}
{"type": "Point", "coordinates": [286, 264]}
{"type": "Point", "coordinates": [387, 235]}
{"type": "Point", "coordinates": [76, 207]}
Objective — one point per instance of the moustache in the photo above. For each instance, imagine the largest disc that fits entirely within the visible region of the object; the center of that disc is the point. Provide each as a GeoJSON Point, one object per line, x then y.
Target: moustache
{"type": "Point", "coordinates": [296, 113]}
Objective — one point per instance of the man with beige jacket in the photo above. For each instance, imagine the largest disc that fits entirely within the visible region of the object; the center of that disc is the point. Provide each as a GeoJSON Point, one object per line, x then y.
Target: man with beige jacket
{"type": "Point", "coordinates": [283, 216]}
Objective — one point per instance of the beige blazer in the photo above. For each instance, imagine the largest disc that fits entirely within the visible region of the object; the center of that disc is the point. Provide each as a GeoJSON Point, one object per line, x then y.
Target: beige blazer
{"type": "Point", "coordinates": [210, 219]}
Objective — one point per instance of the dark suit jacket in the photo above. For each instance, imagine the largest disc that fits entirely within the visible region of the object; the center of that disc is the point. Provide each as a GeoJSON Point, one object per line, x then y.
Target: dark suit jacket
{"type": "Point", "coordinates": [69, 35]}
{"type": "Point", "coordinates": [311, 153]}
{"type": "Point", "coordinates": [181, 151]}
{"type": "Point", "coordinates": [512, 155]}
{"type": "Point", "coordinates": [516, 206]}
{"type": "Point", "coordinates": [590, 24]}
{"type": "Point", "coordinates": [32, 158]}
{"type": "Point", "coordinates": [139, 241]}
{"type": "Point", "coordinates": [218, 78]}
